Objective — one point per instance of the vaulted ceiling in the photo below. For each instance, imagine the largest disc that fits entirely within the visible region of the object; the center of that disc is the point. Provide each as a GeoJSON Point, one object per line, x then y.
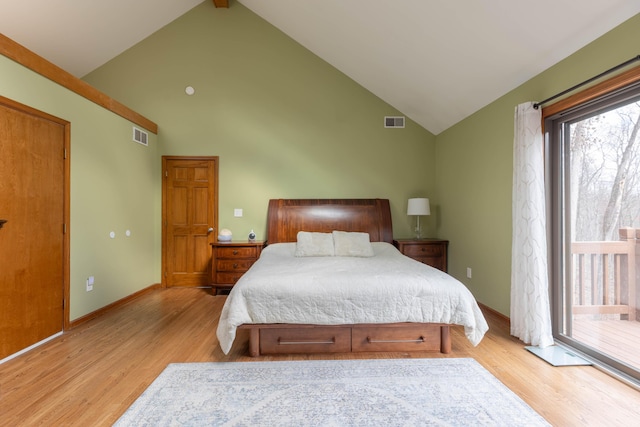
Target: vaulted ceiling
{"type": "Point", "coordinates": [435, 61]}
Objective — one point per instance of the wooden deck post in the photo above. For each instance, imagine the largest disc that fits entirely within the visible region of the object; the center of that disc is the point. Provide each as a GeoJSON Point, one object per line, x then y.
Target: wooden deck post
{"type": "Point", "coordinates": [630, 235]}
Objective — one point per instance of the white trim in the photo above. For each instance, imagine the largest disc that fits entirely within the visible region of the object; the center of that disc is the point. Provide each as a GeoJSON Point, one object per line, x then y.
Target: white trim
{"type": "Point", "coordinates": [14, 355]}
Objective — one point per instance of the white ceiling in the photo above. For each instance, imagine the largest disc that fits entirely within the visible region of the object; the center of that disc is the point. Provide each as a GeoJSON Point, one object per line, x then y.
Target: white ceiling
{"type": "Point", "coordinates": [435, 61]}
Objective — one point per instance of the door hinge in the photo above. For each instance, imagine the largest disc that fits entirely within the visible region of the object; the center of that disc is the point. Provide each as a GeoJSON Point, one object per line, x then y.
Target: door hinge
{"type": "Point", "coordinates": [65, 153]}
{"type": "Point", "coordinates": [64, 228]}
{"type": "Point", "coordinates": [166, 174]}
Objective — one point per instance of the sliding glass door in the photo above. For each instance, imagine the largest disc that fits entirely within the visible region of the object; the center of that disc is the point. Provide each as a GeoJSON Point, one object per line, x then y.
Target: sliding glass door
{"type": "Point", "coordinates": [594, 157]}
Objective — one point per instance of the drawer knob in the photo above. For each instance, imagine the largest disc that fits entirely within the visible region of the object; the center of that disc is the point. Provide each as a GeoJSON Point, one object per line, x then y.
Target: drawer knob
{"type": "Point", "coordinates": [235, 265]}
{"type": "Point", "coordinates": [235, 252]}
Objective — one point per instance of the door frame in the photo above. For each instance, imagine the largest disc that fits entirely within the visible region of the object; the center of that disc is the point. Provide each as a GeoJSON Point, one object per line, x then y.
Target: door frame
{"type": "Point", "coordinates": [9, 103]}
{"type": "Point", "coordinates": [557, 233]}
{"type": "Point", "coordinates": [216, 159]}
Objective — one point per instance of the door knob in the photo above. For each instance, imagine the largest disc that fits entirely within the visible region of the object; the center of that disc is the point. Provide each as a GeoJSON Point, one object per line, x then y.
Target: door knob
{"type": "Point", "coordinates": [210, 230]}
{"type": "Point", "coordinates": [2, 222]}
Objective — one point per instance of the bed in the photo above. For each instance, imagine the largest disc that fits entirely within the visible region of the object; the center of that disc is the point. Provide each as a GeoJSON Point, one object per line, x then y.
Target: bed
{"type": "Point", "coordinates": [347, 301]}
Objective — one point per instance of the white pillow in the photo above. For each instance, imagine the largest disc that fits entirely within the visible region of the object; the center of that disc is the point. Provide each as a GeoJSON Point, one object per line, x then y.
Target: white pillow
{"type": "Point", "coordinates": [314, 244]}
{"type": "Point", "coordinates": [352, 244]}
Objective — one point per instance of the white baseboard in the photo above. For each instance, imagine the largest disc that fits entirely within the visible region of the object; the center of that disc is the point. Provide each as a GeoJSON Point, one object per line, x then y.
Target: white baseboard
{"type": "Point", "coordinates": [31, 347]}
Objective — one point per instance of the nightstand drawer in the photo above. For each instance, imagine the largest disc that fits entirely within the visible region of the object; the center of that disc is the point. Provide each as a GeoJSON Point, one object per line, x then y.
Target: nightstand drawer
{"type": "Point", "coordinates": [432, 252]}
{"type": "Point", "coordinates": [237, 252]}
{"type": "Point", "coordinates": [228, 278]}
{"type": "Point", "coordinates": [436, 262]}
{"type": "Point", "coordinates": [419, 250]}
{"type": "Point", "coordinates": [234, 264]}
{"type": "Point", "coordinates": [230, 260]}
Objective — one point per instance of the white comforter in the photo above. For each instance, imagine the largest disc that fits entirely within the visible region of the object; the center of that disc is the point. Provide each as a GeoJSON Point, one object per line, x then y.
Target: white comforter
{"type": "Point", "coordinates": [386, 288]}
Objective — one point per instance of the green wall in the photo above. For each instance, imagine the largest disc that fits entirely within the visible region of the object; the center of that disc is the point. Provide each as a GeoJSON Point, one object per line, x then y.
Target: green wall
{"type": "Point", "coordinates": [474, 169]}
{"type": "Point", "coordinates": [284, 123]}
{"type": "Point", "coordinates": [113, 188]}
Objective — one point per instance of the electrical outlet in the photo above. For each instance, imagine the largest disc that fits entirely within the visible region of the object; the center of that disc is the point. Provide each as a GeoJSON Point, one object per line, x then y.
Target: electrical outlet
{"type": "Point", "coordinates": [90, 281]}
{"type": "Point", "coordinates": [237, 213]}
{"type": "Point", "coordinates": [468, 272]}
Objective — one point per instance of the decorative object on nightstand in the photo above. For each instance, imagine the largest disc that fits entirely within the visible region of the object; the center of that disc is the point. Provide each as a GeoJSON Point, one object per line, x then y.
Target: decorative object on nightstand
{"type": "Point", "coordinates": [432, 252]}
{"type": "Point", "coordinates": [225, 235]}
{"type": "Point", "coordinates": [418, 207]}
{"type": "Point", "coordinates": [252, 236]}
{"type": "Point", "coordinates": [230, 260]}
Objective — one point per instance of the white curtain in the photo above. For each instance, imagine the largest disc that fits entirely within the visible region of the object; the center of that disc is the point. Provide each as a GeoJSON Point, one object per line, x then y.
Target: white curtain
{"type": "Point", "coordinates": [530, 310]}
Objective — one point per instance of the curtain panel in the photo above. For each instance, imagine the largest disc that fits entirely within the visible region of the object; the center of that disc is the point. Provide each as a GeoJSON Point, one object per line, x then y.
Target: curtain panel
{"type": "Point", "coordinates": [530, 309]}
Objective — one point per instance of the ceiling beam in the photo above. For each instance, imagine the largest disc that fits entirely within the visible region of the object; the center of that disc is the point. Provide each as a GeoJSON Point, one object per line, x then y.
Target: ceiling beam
{"type": "Point", "coordinates": [221, 3]}
{"type": "Point", "coordinates": [23, 56]}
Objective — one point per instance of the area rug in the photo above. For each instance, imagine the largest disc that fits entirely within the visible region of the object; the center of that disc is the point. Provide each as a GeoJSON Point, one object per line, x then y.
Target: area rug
{"type": "Point", "coordinates": [396, 392]}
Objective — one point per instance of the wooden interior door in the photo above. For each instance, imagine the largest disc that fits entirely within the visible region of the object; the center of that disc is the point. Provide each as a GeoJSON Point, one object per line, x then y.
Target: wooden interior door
{"type": "Point", "coordinates": [33, 254]}
{"type": "Point", "coordinates": [190, 219]}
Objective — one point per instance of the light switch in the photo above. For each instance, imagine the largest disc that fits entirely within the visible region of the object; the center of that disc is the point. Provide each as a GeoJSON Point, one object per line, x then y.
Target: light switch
{"type": "Point", "coordinates": [237, 212]}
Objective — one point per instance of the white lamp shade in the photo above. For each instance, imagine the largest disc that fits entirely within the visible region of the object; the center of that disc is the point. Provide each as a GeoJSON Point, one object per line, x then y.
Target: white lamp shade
{"type": "Point", "coordinates": [418, 206]}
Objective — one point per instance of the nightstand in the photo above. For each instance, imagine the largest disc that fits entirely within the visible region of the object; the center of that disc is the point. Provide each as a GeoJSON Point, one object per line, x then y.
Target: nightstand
{"type": "Point", "coordinates": [432, 252]}
{"type": "Point", "coordinates": [230, 260]}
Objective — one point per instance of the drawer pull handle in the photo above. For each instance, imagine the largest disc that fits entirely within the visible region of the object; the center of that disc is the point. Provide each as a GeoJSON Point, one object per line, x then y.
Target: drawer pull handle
{"type": "Point", "coordinates": [235, 265]}
{"type": "Point", "coordinates": [372, 341]}
{"type": "Point", "coordinates": [281, 342]}
{"type": "Point", "coordinates": [235, 252]}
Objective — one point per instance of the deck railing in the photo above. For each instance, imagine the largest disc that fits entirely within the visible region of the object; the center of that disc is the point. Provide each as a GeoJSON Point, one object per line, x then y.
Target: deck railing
{"type": "Point", "coordinates": [605, 276]}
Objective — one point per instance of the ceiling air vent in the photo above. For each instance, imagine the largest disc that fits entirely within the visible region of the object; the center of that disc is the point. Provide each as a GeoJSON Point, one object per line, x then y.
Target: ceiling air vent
{"type": "Point", "coordinates": [140, 136]}
{"type": "Point", "coordinates": [394, 121]}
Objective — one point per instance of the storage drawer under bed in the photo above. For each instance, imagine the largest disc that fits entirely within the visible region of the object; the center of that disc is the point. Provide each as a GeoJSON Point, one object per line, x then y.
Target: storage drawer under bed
{"type": "Point", "coordinates": [350, 338]}
{"type": "Point", "coordinates": [423, 337]}
{"type": "Point", "coordinates": [312, 339]}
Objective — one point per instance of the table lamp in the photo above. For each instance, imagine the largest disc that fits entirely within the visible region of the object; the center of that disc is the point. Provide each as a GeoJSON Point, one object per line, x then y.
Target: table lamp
{"type": "Point", "coordinates": [418, 207]}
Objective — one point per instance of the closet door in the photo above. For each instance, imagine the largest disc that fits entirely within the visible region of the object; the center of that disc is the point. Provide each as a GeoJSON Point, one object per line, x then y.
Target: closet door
{"type": "Point", "coordinates": [190, 219]}
{"type": "Point", "coordinates": [32, 248]}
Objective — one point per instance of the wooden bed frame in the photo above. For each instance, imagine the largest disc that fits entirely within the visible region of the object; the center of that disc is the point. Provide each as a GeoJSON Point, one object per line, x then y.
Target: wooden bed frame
{"type": "Point", "coordinates": [285, 218]}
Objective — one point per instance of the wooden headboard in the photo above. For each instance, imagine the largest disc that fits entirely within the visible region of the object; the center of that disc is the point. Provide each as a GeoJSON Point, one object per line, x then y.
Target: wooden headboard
{"type": "Point", "coordinates": [286, 217]}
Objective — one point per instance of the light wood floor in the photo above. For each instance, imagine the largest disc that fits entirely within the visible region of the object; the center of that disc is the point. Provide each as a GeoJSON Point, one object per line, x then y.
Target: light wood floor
{"type": "Point", "coordinates": [90, 375]}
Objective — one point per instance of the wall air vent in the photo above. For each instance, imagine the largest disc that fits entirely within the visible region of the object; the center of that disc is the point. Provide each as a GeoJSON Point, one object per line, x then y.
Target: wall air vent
{"type": "Point", "coordinates": [140, 136]}
{"type": "Point", "coordinates": [394, 121]}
